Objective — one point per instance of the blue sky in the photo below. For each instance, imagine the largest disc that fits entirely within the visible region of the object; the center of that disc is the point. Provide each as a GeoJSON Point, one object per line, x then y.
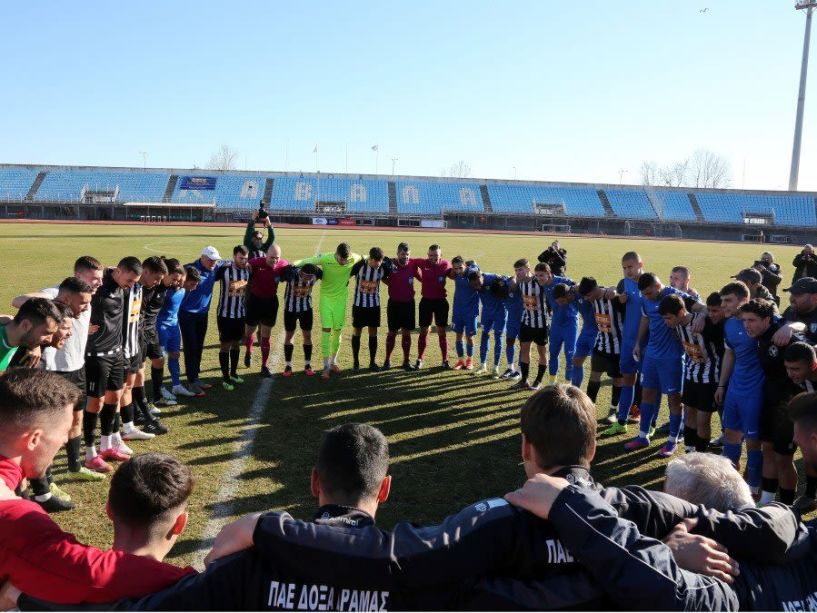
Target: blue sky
{"type": "Point", "coordinates": [567, 91]}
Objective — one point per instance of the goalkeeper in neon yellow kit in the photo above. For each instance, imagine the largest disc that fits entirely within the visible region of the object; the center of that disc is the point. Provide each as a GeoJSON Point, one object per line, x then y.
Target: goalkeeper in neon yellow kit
{"type": "Point", "coordinates": [333, 296]}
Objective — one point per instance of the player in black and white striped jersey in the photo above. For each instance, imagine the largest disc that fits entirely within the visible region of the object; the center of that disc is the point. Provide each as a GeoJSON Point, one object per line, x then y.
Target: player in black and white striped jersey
{"type": "Point", "coordinates": [230, 315]}
{"type": "Point", "coordinates": [366, 304]}
{"type": "Point", "coordinates": [298, 311]}
{"type": "Point", "coordinates": [534, 327]}
{"type": "Point", "coordinates": [608, 312]}
{"type": "Point", "coordinates": [702, 370]}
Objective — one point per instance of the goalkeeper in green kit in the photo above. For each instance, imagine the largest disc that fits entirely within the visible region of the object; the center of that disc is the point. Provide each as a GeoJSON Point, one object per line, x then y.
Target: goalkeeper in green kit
{"type": "Point", "coordinates": [333, 296]}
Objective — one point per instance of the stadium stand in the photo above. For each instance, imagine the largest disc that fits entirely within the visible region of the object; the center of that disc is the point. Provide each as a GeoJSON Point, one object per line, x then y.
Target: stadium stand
{"type": "Point", "coordinates": [434, 197]}
{"type": "Point", "coordinates": [355, 195]}
{"type": "Point", "coordinates": [630, 203]}
{"type": "Point", "coordinates": [577, 201]}
{"type": "Point", "coordinates": [229, 191]}
{"type": "Point", "coordinates": [672, 205]}
{"type": "Point", "coordinates": [731, 207]}
{"type": "Point", "coordinates": [71, 185]}
{"type": "Point", "coordinates": [16, 182]}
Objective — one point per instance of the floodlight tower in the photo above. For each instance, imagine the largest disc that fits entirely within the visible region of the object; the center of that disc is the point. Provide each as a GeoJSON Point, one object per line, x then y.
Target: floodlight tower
{"type": "Point", "coordinates": [808, 6]}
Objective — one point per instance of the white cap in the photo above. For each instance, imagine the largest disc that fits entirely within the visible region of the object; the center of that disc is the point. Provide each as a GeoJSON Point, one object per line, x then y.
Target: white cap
{"type": "Point", "coordinates": [210, 253]}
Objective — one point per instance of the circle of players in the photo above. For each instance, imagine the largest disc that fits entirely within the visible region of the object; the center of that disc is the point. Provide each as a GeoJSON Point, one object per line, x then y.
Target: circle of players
{"type": "Point", "coordinates": [732, 353]}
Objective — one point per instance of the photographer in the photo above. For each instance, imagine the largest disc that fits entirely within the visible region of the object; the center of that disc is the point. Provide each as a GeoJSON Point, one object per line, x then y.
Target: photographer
{"type": "Point", "coordinates": [555, 257]}
{"type": "Point", "coordinates": [805, 263]}
{"type": "Point", "coordinates": [770, 273]}
{"type": "Point", "coordinates": [254, 239]}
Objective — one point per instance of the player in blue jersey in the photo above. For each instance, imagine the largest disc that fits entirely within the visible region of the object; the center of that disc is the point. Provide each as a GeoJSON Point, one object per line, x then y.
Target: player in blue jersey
{"type": "Point", "coordinates": [630, 399]}
{"type": "Point", "coordinates": [513, 321]}
{"type": "Point", "coordinates": [492, 290]}
{"type": "Point", "coordinates": [564, 324]}
{"type": "Point", "coordinates": [741, 384]}
{"type": "Point", "coordinates": [464, 312]}
{"type": "Point", "coordinates": [167, 327]}
{"type": "Point", "coordinates": [662, 365]}
{"type": "Point", "coordinates": [585, 341]}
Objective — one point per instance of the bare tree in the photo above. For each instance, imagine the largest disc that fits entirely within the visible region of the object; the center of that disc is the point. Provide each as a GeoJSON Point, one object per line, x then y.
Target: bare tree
{"type": "Point", "coordinates": [675, 174]}
{"type": "Point", "coordinates": [649, 173]}
{"type": "Point", "coordinates": [460, 169]}
{"type": "Point", "coordinates": [224, 159]}
{"type": "Point", "coordinates": [708, 169]}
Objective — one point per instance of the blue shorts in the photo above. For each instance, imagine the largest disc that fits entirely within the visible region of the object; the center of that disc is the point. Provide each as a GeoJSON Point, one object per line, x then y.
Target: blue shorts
{"type": "Point", "coordinates": [627, 362]}
{"type": "Point", "coordinates": [741, 411]}
{"type": "Point", "coordinates": [585, 344]}
{"type": "Point", "coordinates": [663, 374]}
{"type": "Point", "coordinates": [495, 324]}
{"type": "Point", "coordinates": [512, 326]}
{"type": "Point", "coordinates": [170, 338]}
{"type": "Point", "coordinates": [464, 323]}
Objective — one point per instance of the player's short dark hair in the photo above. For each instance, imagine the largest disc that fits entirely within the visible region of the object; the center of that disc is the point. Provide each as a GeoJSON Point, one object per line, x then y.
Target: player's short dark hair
{"type": "Point", "coordinates": [309, 269]}
{"type": "Point", "coordinates": [736, 288]}
{"type": "Point", "coordinates": [434, 247]}
{"type": "Point", "coordinates": [631, 255]}
{"type": "Point", "coordinates": [192, 273]}
{"type": "Point", "coordinates": [174, 266]}
{"type": "Point", "coordinates": [802, 410]}
{"type": "Point", "coordinates": [542, 266]}
{"type": "Point", "coordinates": [30, 396]}
{"type": "Point", "coordinates": [64, 310]}
{"type": "Point", "coordinates": [560, 290]}
{"type": "Point", "coordinates": [682, 269]}
{"type": "Point", "coordinates": [456, 260]}
{"type": "Point", "coordinates": [343, 250]}
{"type": "Point", "coordinates": [86, 262]}
{"type": "Point", "coordinates": [587, 285]}
{"type": "Point", "coordinates": [73, 285]}
{"type": "Point", "coordinates": [671, 305]}
{"type": "Point", "coordinates": [353, 459]}
{"type": "Point", "coordinates": [147, 486]}
{"type": "Point", "coordinates": [240, 249]}
{"type": "Point", "coordinates": [376, 254]}
{"type": "Point", "coordinates": [130, 264]}
{"type": "Point", "coordinates": [474, 274]}
{"type": "Point", "coordinates": [560, 422]}
{"type": "Point", "coordinates": [155, 264]}
{"type": "Point", "coordinates": [713, 299]}
{"type": "Point", "coordinates": [403, 247]}
{"type": "Point", "coordinates": [759, 307]}
{"type": "Point", "coordinates": [37, 310]}
{"type": "Point", "coordinates": [520, 263]}
{"type": "Point", "coordinates": [800, 351]}
{"type": "Point", "coordinates": [646, 280]}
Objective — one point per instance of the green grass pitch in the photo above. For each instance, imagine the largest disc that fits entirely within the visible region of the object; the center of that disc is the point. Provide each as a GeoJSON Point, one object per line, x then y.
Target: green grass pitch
{"type": "Point", "coordinates": [453, 437]}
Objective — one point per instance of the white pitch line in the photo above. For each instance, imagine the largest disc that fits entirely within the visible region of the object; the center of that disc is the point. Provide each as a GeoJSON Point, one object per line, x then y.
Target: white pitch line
{"type": "Point", "coordinates": [224, 507]}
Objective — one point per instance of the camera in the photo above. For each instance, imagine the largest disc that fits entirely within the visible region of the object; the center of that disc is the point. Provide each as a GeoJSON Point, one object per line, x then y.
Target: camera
{"type": "Point", "coordinates": [262, 212]}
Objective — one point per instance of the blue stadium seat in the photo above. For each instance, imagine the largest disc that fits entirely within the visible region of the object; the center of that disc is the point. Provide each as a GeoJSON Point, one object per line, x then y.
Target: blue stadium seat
{"type": "Point", "coordinates": [434, 197]}
{"type": "Point", "coordinates": [15, 182]}
{"type": "Point", "coordinates": [729, 207]}
{"type": "Point", "coordinates": [231, 191]}
{"type": "Point", "coordinates": [673, 205]}
{"type": "Point", "coordinates": [134, 185]}
{"type": "Point", "coordinates": [630, 203]}
{"type": "Point", "coordinates": [578, 201]}
{"type": "Point", "coordinates": [301, 194]}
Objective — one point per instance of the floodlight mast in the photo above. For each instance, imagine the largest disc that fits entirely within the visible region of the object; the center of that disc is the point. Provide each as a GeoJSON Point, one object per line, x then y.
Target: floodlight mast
{"type": "Point", "coordinates": [808, 6]}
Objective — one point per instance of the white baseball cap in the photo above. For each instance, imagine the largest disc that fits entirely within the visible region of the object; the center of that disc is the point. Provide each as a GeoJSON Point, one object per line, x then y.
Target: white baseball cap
{"type": "Point", "coordinates": [210, 253]}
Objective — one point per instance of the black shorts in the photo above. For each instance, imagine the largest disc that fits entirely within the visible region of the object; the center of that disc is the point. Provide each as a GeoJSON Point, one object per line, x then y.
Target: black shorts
{"type": "Point", "coordinates": [134, 363]}
{"type": "Point", "coordinates": [533, 335]}
{"type": "Point", "coordinates": [230, 329]}
{"type": "Point", "coordinates": [77, 377]}
{"type": "Point", "coordinates": [606, 362]}
{"type": "Point", "coordinates": [262, 311]}
{"type": "Point", "coordinates": [776, 428]}
{"type": "Point", "coordinates": [700, 396]}
{"type": "Point", "coordinates": [303, 318]}
{"type": "Point", "coordinates": [104, 373]}
{"type": "Point", "coordinates": [365, 317]}
{"type": "Point", "coordinates": [400, 315]}
{"type": "Point", "coordinates": [151, 348]}
{"type": "Point", "coordinates": [436, 309]}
